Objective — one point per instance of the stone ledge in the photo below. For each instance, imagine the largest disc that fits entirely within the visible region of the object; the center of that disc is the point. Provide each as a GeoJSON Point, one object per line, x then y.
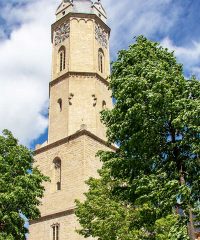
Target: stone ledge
{"type": "Point", "coordinates": [78, 15]}
{"type": "Point", "coordinates": [52, 216]}
{"type": "Point", "coordinates": [81, 74]}
{"type": "Point", "coordinates": [72, 137]}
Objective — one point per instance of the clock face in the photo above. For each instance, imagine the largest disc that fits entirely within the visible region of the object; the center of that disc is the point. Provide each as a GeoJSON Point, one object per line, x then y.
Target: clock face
{"type": "Point", "coordinates": [61, 33]}
{"type": "Point", "coordinates": [101, 36]}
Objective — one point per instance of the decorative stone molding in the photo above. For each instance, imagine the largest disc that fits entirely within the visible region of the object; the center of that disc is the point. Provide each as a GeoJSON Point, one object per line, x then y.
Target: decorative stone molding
{"type": "Point", "coordinates": [73, 137]}
{"type": "Point", "coordinates": [57, 163]}
{"type": "Point", "coordinates": [101, 36]}
{"type": "Point", "coordinates": [82, 19]}
{"type": "Point", "coordinates": [55, 224]}
{"type": "Point", "coordinates": [53, 216]}
{"type": "Point", "coordinates": [69, 16]}
{"type": "Point", "coordinates": [71, 95]}
{"type": "Point", "coordinates": [78, 75]}
{"type": "Point", "coordinates": [61, 33]}
{"type": "Point", "coordinates": [94, 100]}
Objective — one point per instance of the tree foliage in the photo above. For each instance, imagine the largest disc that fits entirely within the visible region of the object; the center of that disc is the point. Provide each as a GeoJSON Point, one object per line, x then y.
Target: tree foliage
{"type": "Point", "coordinates": [20, 187]}
{"type": "Point", "coordinates": [155, 172]}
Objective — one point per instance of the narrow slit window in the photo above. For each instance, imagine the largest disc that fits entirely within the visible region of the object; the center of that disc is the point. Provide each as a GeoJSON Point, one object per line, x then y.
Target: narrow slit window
{"type": "Point", "coordinates": [60, 104]}
{"type": "Point", "coordinates": [58, 186]}
{"type": "Point", "coordinates": [57, 232]}
{"type": "Point", "coordinates": [61, 61]}
{"type": "Point", "coordinates": [57, 174]}
{"type": "Point", "coordinates": [101, 64]}
{"type": "Point", "coordinates": [55, 229]}
{"type": "Point", "coordinates": [64, 59]}
{"type": "Point", "coordinates": [54, 232]}
{"type": "Point", "coordinates": [101, 60]}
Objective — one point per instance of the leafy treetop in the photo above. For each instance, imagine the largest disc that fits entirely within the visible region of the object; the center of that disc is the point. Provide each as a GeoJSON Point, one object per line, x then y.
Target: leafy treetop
{"type": "Point", "coordinates": [155, 172]}
{"type": "Point", "coordinates": [20, 187]}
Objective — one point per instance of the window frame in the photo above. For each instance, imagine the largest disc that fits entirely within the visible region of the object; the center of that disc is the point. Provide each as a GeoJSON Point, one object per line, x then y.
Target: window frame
{"type": "Point", "coordinates": [55, 231]}
{"type": "Point", "coordinates": [58, 173]}
{"type": "Point", "coordinates": [101, 61]}
{"type": "Point", "coordinates": [62, 58]}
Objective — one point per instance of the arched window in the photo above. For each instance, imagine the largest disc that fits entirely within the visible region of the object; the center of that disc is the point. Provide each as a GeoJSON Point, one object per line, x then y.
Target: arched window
{"type": "Point", "coordinates": [101, 60]}
{"type": "Point", "coordinates": [57, 172]}
{"type": "Point", "coordinates": [62, 57]}
{"type": "Point", "coordinates": [55, 231]}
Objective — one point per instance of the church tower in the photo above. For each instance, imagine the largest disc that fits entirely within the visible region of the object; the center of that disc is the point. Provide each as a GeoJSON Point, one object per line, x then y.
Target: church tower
{"type": "Point", "coordinates": [80, 69]}
{"type": "Point", "coordinates": [78, 92]}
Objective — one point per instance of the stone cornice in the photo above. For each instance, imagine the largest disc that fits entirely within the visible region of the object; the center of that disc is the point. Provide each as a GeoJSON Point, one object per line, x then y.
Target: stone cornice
{"type": "Point", "coordinates": [78, 15]}
{"type": "Point", "coordinates": [72, 137]}
{"type": "Point", "coordinates": [52, 216]}
{"type": "Point", "coordinates": [85, 74]}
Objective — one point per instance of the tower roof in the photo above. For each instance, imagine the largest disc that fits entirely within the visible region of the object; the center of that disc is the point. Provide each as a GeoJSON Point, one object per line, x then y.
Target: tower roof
{"type": "Point", "coordinates": [81, 6]}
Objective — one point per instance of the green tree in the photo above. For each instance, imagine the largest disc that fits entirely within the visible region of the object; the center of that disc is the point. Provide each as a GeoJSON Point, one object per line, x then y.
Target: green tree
{"type": "Point", "coordinates": [20, 187]}
{"type": "Point", "coordinates": [155, 172]}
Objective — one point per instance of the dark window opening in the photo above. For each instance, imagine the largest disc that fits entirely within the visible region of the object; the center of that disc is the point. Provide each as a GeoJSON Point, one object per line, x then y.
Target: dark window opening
{"type": "Point", "coordinates": [101, 60]}
{"type": "Point", "coordinates": [58, 186]}
{"type": "Point", "coordinates": [101, 64]}
{"type": "Point", "coordinates": [57, 173]}
{"type": "Point", "coordinates": [55, 232]}
{"type": "Point", "coordinates": [60, 104]}
{"type": "Point", "coordinates": [104, 104]}
{"type": "Point", "coordinates": [64, 60]}
{"type": "Point", "coordinates": [61, 61]}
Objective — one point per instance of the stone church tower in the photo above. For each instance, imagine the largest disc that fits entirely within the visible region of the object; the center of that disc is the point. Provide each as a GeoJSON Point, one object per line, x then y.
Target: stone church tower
{"type": "Point", "coordinates": [78, 92]}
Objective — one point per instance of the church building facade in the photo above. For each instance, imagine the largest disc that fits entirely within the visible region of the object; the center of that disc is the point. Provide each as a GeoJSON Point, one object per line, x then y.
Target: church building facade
{"type": "Point", "coordinates": [78, 92]}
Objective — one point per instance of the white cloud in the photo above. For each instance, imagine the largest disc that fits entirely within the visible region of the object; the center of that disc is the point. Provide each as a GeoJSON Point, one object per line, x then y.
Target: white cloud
{"type": "Point", "coordinates": [131, 18]}
{"type": "Point", "coordinates": [150, 18]}
{"type": "Point", "coordinates": [25, 70]}
{"type": "Point", "coordinates": [2, 34]}
{"type": "Point", "coordinates": [189, 56]}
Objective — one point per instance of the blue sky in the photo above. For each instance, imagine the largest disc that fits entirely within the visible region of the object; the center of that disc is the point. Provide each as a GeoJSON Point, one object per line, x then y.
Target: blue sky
{"type": "Point", "coordinates": [25, 50]}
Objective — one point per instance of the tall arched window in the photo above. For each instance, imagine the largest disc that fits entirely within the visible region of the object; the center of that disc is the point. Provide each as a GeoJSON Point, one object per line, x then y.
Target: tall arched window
{"type": "Point", "coordinates": [57, 171]}
{"type": "Point", "coordinates": [55, 231]}
{"type": "Point", "coordinates": [62, 58]}
{"type": "Point", "coordinates": [101, 60]}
